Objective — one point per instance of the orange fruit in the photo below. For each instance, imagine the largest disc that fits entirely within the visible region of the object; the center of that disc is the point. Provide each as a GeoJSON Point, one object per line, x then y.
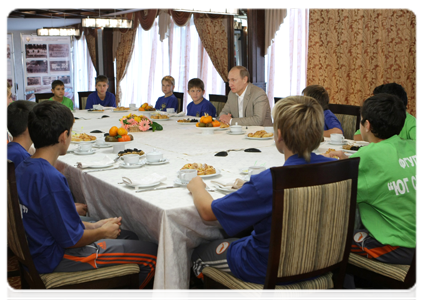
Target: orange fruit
{"type": "Point", "coordinates": [141, 109]}
{"type": "Point", "coordinates": [113, 131]}
{"type": "Point", "coordinates": [122, 131]}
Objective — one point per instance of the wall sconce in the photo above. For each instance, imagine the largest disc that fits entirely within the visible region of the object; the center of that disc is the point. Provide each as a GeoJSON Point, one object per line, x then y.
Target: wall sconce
{"type": "Point", "coordinates": [58, 31]}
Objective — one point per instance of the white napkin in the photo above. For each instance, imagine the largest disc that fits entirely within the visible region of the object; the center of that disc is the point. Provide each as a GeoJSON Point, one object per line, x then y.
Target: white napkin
{"type": "Point", "coordinates": [98, 106]}
{"type": "Point", "coordinates": [233, 184]}
{"type": "Point", "coordinates": [146, 180]}
{"type": "Point", "coordinates": [102, 162]}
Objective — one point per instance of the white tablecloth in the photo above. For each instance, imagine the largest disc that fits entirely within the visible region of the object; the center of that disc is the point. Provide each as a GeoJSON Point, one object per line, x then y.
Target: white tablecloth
{"type": "Point", "coordinates": [167, 217]}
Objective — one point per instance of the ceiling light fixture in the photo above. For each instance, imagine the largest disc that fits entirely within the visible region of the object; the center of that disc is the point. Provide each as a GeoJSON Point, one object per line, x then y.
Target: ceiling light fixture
{"type": "Point", "coordinates": [223, 11]}
{"type": "Point", "coordinates": [106, 23]}
{"type": "Point", "coordinates": [58, 31]}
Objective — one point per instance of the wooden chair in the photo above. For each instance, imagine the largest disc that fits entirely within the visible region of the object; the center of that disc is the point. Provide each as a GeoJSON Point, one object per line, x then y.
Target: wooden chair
{"type": "Point", "coordinates": [312, 228]}
{"type": "Point", "coordinates": [180, 97]}
{"type": "Point", "coordinates": [390, 276]}
{"type": "Point", "coordinates": [277, 99]}
{"type": "Point", "coordinates": [125, 275]}
{"type": "Point", "coordinates": [40, 97]}
{"type": "Point", "coordinates": [218, 102]}
{"type": "Point", "coordinates": [349, 116]}
{"type": "Point", "coordinates": [82, 97]}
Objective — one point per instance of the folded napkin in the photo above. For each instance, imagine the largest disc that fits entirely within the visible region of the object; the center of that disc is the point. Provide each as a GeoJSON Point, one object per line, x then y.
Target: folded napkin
{"type": "Point", "coordinates": [102, 162]}
{"type": "Point", "coordinates": [98, 106]}
{"type": "Point", "coordinates": [181, 114]}
{"type": "Point", "coordinates": [237, 184]}
{"type": "Point", "coordinates": [146, 180]}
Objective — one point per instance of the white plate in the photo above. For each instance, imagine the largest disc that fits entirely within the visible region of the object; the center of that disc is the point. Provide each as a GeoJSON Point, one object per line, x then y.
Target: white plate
{"type": "Point", "coordinates": [342, 143]}
{"type": "Point", "coordinates": [83, 142]}
{"type": "Point", "coordinates": [211, 175]}
{"type": "Point", "coordinates": [177, 181]}
{"type": "Point", "coordinates": [143, 185]}
{"type": "Point", "coordinates": [186, 123]}
{"type": "Point", "coordinates": [77, 152]}
{"type": "Point", "coordinates": [120, 110]}
{"type": "Point", "coordinates": [264, 138]}
{"type": "Point", "coordinates": [101, 146]}
{"type": "Point", "coordinates": [349, 151]}
{"type": "Point", "coordinates": [221, 129]}
{"type": "Point", "coordinates": [154, 120]}
{"type": "Point", "coordinates": [157, 162]}
{"type": "Point", "coordinates": [243, 171]}
{"type": "Point", "coordinates": [95, 111]}
{"type": "Point", "coordinates": [235, 133]}
{"type": "Point", "coordinates": [101, 166]}
{"type": "Point", "coordinates": [132, 166]}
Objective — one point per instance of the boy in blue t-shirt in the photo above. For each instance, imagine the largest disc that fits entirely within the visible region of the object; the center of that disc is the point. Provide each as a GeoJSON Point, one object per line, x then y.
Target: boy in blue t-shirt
{"type": "Point", "coordinates": [199, 105]}
{"type": "Point", "coordinates": [58, 240]}
{"type": "Point", "coordinates": [251, 205]}
{"type": "Point", "coordinates": [332, 124]}
{"type": "Point", "coordinates": [169, 100]}
{"type": "Point", "coordinates": [17, 124]}
{"type": "Point", "coordinates": [102, 96]}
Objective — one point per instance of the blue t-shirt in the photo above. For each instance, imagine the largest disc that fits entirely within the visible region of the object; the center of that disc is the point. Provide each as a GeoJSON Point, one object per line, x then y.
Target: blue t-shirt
{"type": "Point", "coordinates": [331, 121]}
{"type": "Point", "coordinates": [48, 212]}
{"type": "Point", "coordinates": [167, 102]}
{"type": "Point", "coordinates": [250, 206]}
{"type": "Point", "coordinates": [94, 99]}
{"type": "Point", "coordinates": [16, 153]}
{"type": "Point", "coordinates": [204, 106]}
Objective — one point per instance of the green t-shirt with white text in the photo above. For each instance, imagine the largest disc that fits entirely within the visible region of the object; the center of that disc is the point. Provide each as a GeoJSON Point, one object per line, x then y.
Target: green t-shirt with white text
{"type": "Point", "coordinates": [386, 191]}
{"type": "Point", "coordinates": [66, 101]}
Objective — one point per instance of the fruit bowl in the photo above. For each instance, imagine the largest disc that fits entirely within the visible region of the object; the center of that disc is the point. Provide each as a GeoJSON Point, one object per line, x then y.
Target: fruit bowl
{"type": "Point", "coordinates": [207, 130]}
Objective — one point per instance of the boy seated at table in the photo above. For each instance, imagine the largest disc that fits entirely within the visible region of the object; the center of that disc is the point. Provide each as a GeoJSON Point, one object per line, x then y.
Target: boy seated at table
{"type": "Point", "coordinates": [102, 96]}
{"type": "Point", "coordinates": [386, 186]}
{"type": "Point", "coordinates": [58, 240]}
{"type": "Point", "coordinates": [169, 100]}
{"type": "Point", "coordinates": [199, 105]}
{"type": "Point", "coordinates": [332, 124]}
{"type": "Point", "coordinates": [298, 125]}
{"type": "Point", "coordinates": [408, 131]}
{"type": "Point", "coordinates": [58, 89]}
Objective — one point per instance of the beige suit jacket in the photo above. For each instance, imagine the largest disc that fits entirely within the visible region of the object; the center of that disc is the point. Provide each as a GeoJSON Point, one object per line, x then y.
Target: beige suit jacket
{"type": "Point", "coordinates": [256, 108]}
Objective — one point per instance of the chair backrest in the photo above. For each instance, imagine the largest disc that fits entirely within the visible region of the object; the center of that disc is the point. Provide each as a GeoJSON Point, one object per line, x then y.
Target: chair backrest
{"type": "Point", "coordinates": [40, 97]}
{"type": "Point", "coordinates": [277, 99]}
{"type": "Point", "coordinates": [82, 96]}
{"type": "Point", "coordinates": [349, 116]}
{"type": "Point", "coordinates": [218, 102]}
{"type": "Point", "coordinates": [180, 97]}
{"type": "Point", "coordinates": [16, 237]}
{"type": "Point", "coordinates": [312, 220]}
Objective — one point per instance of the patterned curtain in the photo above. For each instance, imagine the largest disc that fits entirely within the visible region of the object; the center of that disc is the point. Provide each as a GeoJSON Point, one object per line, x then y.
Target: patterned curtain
{"type": "Point", "coordinates": [123, 56]}
{"type": "Point", "coordinates": [353, 51]}
{"type": "Point", "coordinates": [91, 40]}
{"type": "Point", "coordinates": [213, 35]}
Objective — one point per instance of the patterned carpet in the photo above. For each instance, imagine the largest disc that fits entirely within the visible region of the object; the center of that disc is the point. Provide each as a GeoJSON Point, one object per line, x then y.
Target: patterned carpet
{"type": "Point", "coordinates": [13, 285]}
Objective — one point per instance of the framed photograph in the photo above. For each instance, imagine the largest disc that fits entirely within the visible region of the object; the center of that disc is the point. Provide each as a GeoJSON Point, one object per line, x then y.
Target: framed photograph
{"type": "Point", "coordinates": [7, 51]}
{"type": "Point", "coordinates": [36, 66]}
{"type": "Point", "coordinates": [65, 78]}
{"type": "Point", "coordinates": [58, 50]}
{"type": "Point", "coordinates": [59, 66]}
{"type": "Point", "coordinates": [47, 80]}
{"type": "Point", "coordinates": [33, 81]}
{"type": "Point", "coordinates": [36, 50]}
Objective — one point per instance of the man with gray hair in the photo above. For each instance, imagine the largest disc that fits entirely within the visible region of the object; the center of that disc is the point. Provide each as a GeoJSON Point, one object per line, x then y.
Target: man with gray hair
{"type": "Point", "coordinates": [247, 104]}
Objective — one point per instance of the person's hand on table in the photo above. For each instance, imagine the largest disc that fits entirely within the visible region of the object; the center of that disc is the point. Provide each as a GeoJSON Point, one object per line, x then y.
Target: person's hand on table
{"type": "Point", "coordinates": [336, 154]}
{"type": "Point", "coordinates": [196, 184]}
{"type": "Point", "coordinates": [225, 119]}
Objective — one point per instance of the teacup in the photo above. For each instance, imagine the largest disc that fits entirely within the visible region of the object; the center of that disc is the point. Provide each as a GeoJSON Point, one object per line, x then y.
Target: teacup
{"type": "Point", "coordinates": [186, 175]}
{"type": "Point", "coordinates": [253, 170]}
{"type": "Point", "coordinates": [85, 147]}
{"type": "Point", "coordinates": [236, 128]}
{"type": "Point", "coordinates": [131, 159]}
{"type": "Point", "coordinates": [170, 110]}
{"type": "Point", "coordinates": [154, 156]}
{"type": "Point", "coordinates": [132, 105]}
{"type": "Point", "coordinates": [100, 141]}
{"type": "Point", "coordinates": [336, 138]}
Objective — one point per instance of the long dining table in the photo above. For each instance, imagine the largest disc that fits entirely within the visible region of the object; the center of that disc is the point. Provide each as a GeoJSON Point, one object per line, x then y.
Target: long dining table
{"type": "Point", "coordinates": [167, 217]}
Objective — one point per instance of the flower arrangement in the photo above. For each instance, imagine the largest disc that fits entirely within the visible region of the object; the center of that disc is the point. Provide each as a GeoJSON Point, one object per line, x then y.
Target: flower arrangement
{"type": "Point", "coordinates": [133, 122]}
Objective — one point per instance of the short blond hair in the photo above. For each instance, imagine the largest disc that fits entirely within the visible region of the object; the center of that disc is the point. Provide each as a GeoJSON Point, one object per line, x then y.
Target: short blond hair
{"type": "Point", "coordinates": [169, 79]}
{"type": "Point", "coordinates": [301, 121]}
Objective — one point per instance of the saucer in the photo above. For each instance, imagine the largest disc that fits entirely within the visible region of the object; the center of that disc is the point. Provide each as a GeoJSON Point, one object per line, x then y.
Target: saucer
{"type": "Point", "coordinates": [131, 166]}
{"type": "Point", "coordinates": [177, 181]}
{"type": "Point", "coordinates": [84, 152]}
{"type": "Point", "coordinates": [157, 162]}
{"type": "Point", "coordinates": [235, 133]}
{"type": "Point", "coordinates": [341, 143]}
{"type": "Point", "coordinates": [102, 146]}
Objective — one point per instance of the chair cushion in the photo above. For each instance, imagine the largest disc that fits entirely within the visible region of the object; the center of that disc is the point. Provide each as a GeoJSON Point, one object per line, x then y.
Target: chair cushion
{"type": "Point", "coordinates": [348, 123]}
{"type": "Point", "coordinates": [57, 279]}
{"type": "Point", "coordinates": [227, 279]}
{"type": "Point", "coordinates": [397, 272]}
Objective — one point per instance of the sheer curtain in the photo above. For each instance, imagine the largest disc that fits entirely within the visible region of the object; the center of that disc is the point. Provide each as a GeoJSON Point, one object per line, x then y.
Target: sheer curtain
{"type": "Point", "coordinates": [286, 59]}
{"type": "Point", "coordinates": [180, 55]}
{"type": "Point", "coordinates": [84, 71]}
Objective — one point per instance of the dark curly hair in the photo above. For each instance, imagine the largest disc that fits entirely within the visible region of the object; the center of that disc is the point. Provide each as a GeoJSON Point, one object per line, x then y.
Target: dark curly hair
{"type": "Point", "coordinates": [386, 114]}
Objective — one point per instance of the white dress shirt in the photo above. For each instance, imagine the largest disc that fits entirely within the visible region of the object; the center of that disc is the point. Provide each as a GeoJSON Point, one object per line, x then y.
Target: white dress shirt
{"type": "Point", "coordinates": [240, 105]}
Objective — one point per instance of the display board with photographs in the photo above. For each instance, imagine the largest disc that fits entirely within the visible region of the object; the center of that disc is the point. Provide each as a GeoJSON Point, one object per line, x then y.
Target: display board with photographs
{"type": "Point", "coordinates": [46, 59]}
{"type": "Point", "coordinates": [10, 65]}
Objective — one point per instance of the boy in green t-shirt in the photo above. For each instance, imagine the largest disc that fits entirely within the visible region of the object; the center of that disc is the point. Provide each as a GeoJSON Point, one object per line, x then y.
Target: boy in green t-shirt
{"type": "Point", "coordinates": [408, 131]}
{"type": "Point", "coordinates": [386, 187]}
{"type": "Point", "coordinates": [58, 89]}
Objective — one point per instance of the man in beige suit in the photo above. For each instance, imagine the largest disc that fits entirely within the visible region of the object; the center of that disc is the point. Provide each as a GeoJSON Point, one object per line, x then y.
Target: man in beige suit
{"type": "Point", "coordinates": [247, 104]}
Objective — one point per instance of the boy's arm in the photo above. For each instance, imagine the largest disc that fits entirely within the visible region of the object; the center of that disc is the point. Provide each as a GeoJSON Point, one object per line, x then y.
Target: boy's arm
{"type": "Point", "coordinates": [110, 230]}
{"type": "Point", "coordinates": [202, 199]}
